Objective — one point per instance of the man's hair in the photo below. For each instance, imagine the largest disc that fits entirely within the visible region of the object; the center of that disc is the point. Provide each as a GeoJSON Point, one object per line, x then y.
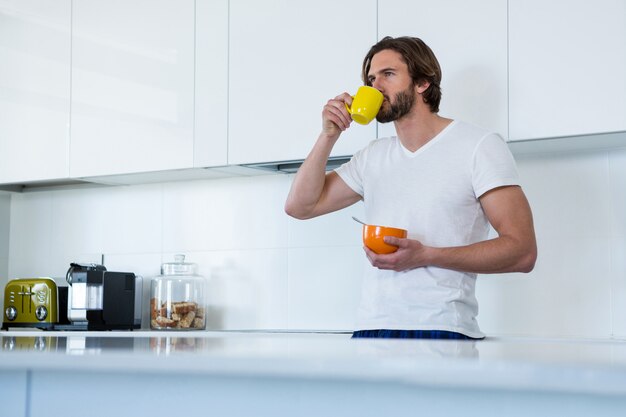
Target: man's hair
{"type": "Point", "coordinates": [422, 63]}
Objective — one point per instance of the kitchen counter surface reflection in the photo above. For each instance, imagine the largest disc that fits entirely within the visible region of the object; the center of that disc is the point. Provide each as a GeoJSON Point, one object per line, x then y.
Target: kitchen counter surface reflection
{"type": "Point", "coordinates": [559, 365]}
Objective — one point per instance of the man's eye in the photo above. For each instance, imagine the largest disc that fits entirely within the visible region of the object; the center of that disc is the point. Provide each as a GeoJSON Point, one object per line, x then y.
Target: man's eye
{"type": "Point", "coordinates": [388, 73]}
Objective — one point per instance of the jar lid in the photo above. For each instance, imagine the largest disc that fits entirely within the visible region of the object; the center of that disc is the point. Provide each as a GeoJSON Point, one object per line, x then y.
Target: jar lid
{"type": "Point", "coordinates": [179, 267]}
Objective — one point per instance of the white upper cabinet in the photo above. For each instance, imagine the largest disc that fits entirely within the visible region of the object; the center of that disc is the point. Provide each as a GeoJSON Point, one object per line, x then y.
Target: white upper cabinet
{"type": "Point", "coordinates": [287, 59]}
{"type": "Point", "coordinates": [34, 90]}
{"type": "Point", "coordinates": [567, 67]}
{"type": "Point", "coordinates": [469, 39]}
{"type": "Point", "coordinates": [211, 109]}
{"type": "Point", "coordinates": [132, 86]}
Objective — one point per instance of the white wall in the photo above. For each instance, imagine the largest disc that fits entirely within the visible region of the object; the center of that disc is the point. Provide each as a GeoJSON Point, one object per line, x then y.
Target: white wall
{"type": "Point", "coordinates": [270, 271]}
{"type": "Point", "coordinates": [5, 215]}
{"type": "Point", "coordinates": [266, 270]}
{"type": "Point", "coordinates": [578, 287]}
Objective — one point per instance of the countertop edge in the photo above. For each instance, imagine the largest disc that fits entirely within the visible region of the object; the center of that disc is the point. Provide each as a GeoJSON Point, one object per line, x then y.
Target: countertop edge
{"type": "Point", "coordinates": [422, 371]}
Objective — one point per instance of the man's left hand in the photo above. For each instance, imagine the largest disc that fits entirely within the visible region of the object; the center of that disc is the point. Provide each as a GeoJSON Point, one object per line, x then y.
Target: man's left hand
{"type": "Point", "coordinates": [410, 254]}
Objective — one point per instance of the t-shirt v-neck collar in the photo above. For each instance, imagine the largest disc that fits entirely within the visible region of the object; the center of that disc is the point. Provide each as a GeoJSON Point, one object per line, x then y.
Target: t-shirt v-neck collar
{"type": "Point", "coordinates": [428, 144]}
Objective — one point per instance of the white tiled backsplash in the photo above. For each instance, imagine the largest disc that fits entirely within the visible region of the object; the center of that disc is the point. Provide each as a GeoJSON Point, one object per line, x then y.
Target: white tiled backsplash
{"type": "Point", "coordinates": [5, 210]}
{"type": "Point", "coordinates": [268, 271]}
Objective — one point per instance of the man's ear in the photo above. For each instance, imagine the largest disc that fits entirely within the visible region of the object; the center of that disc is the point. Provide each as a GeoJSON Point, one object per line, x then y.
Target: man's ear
{"type": "Point", "coordinates": [421, 86]}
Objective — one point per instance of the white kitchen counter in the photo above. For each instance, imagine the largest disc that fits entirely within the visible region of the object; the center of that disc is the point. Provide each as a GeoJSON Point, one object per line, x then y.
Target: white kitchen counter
{"type": "Point", "coordinates": [312, 368]}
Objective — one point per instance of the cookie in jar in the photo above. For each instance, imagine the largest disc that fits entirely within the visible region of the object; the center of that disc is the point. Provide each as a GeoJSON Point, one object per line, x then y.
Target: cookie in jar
{"type": "Point", "coordinates": [178, 297]}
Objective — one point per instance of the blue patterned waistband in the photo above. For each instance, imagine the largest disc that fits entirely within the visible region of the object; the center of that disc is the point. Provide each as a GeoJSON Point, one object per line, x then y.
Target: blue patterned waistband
{"type": "Point", "coordinates": [411, 334]}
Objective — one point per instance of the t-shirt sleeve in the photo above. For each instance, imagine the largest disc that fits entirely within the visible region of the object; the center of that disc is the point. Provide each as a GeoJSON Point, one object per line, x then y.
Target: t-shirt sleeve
{"type": "Point", "coordinates": [494, 165]}
{"type": "Point", "coordinates": [352, 172]}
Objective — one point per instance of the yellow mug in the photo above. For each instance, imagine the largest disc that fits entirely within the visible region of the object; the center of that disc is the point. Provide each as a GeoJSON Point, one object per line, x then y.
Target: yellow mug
{"type": "Point", "coordinates": [365, 104]}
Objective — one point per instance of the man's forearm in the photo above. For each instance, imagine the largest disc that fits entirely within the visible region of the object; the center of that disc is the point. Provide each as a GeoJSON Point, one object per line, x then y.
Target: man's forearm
{"type": "Point", "coordinates": [308, 183]}
{"type": "Point", "coordinates": [499, 255]}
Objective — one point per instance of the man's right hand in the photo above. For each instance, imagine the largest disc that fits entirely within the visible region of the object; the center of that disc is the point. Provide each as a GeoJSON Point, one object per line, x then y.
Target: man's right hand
{"type": "Point", "coordinates": [335, 117]}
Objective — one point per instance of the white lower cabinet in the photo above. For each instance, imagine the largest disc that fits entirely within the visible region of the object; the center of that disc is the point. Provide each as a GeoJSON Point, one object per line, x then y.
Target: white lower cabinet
{"type": "Point", "coordinates": [567, 67]}
{"type": "Point", "coordinates": [469, 39]}
{"type": "Point", "coordinates": [306, 389]}
{"type": "Point", "coordinates": [13, 394]}
{"type": "Point", "coordinates": [34, 90]}
{"type": "Point", "coordinates": [287, 59]}
{"type": "Point", "coordinates": [132, 86]}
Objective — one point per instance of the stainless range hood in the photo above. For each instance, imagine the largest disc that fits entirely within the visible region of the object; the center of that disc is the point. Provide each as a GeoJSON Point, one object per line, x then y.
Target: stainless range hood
{"type": "Point", "coordinates": [290, 167]}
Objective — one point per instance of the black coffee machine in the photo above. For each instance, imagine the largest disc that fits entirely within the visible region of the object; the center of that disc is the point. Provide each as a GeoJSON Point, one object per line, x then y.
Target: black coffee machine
{"type": "Point", "coordinates": [102, 300]}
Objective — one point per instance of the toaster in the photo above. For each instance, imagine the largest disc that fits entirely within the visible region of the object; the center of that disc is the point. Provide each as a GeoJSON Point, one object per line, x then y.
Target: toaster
{"type": "Point", "coordinates": [33, 302]}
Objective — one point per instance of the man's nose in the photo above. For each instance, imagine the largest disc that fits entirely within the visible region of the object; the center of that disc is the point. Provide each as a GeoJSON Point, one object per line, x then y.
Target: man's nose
{"type": "Point", "coordinates": [378, 85]}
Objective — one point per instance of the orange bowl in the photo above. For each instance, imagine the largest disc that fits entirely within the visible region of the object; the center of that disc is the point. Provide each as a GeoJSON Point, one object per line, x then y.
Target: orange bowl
{"type": "Point", "coordinates": [373, 237]}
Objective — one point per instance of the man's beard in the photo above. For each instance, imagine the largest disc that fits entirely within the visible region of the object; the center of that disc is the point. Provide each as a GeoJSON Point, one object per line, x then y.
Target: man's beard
{"type": "Point", "coordinates": [403, 104]}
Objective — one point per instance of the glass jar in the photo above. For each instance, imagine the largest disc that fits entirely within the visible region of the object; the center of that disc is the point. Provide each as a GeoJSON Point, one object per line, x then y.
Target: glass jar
{"type": "Point", "coordinates": [177, 299]}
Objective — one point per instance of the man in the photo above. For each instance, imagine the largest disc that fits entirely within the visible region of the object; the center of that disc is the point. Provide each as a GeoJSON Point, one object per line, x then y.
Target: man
{"type": "Point", "coordinates": [443, 180]}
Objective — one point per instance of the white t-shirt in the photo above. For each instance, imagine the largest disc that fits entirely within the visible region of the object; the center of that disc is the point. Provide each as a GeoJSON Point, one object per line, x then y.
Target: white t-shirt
{"type": "Point", "coordinates": [433, 193]}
